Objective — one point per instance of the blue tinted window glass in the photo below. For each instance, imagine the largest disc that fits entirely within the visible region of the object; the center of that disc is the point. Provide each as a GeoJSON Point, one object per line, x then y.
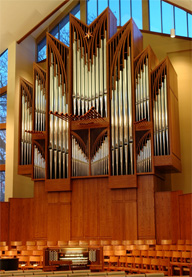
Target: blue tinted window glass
{"type": "Point", "coordinates": [180, 22]}
{"type": "Point", "coordinates": [64, 34]}
{"type": "Point", "coordinates": [3, 68]}
{"type": "Point", "coordinates": [3, 108]}
{"type": "Point", "coordinates": [55, 32]}
{"type": "Point", "coordinates": [102, 5]}
{"type": "Point", "coordinates": [2, 186]}
{"type": "Point", "coordinates": [41, 50]}
{"type": "Point", "coordinates": [155, 15]}
{"type": "Point", "coordinates": [91, 10]}
{"type": "Point", "coordinates": [78, 14]}
{"type": "Point", "coordinates": [167, 17]}
{"type": "Point", "coordinates": [125, 11]}
{"type": "Point", "coordinates": [137, 13]}
{"type": "Point", "coordinates": [2, 146]}
{"type": "Point", "coordinates": [114, 6]}
{"type": "Point", "coordinates": [64, 25]}
{"type": "Point", "coordinates": [190, 25]}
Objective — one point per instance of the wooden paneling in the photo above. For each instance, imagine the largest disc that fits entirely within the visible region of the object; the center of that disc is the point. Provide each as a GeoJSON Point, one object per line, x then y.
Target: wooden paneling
{"type": "Point", "coordinates": [124, 214]}
{"type": "Point", "coordinates": [77, 210]}
{"type": "Point", "coordinates": [4, 221]}
{"type": "Point", "coordinates": [130, 226]}
{"type": "Point", "coordinates": [90, 208]}
{"type": "Point", "coordinates": [40, 210]}
{"type": "Point", "coordinates": [145, 205]}
{"type": "Point", "coordinates": [104, 210]}
{"type": "Point", "coordinates": [185, 211]}
{"type": "Point", "coordinates": [15, 222]}
{"type": "Point", "coordinates": [118, 215]}
{"type": "Point", "coordinates": [27, 219]}
{"type": "Point", "coordinates": [167, 215]}
{"type": "Point", "coordinates": [21, 219]}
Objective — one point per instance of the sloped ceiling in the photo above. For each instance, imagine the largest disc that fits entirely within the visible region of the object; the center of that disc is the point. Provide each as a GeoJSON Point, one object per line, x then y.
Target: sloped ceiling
{"type": "Point", "coordinates": [17, 17]}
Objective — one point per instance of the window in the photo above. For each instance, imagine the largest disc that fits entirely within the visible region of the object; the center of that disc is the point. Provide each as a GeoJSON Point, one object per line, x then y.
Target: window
{"type": "Point", "coordinates": [155, 15]}
{"type": "Point", "coordinates": [61, 32]}
{"type": "Point", "coordinates": [163, 17]}
{"type": "Point", "coordinates": [125, 11]}
{"type": "Point", "coordinates": [122, 9]}
{"type": "Point", "coordinates": [3, 68]}
{"type": "Point", "coordinates": [2, 184]}
{"type": "Point", "coordinates": [167, 17]}
{"type": "Point", "coordinates": [189, 25]}
{"type": "Point", "coordinates": [3, 116]}
{"type": "Point", "coordinates": [180, 22]}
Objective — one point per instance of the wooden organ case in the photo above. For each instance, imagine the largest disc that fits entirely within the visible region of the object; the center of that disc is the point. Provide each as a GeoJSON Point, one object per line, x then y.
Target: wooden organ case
{"type": "Point", "coordinates": [104, 112]}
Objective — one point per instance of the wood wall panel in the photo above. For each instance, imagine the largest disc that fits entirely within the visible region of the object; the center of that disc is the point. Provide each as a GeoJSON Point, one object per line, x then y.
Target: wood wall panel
{"type": "Point", "coordinates": [104, 210]}
{"type": "Point", "coordinates": [27, 219]}
{"type": "Point", "coordinates": [167, 215]}
{"type": "Point", "coordinates": [118, 214]}
{"type": "Point", "coordinates": [124, 214]}
{"type": "Point", "coordinates": [130, 226]}
{"type": "Point", "coordinates": [145, 206]}
{"type": "Point", "coordinates": [40, 210]}
{"type": "Point", "coordinates": [4, 221]}
{"type": "Point", "coordinates": [21, 219]}
{"type": "Point", "coordinates": [90, 208]}
{"type": "Point", "coordinates": [185, 210]}
{"type": "Point", "coordinates": [53, 221]}
{"type": "Point", "coordinates": [15, 222]}
{"type": "Point", "coordinates": [77, 209]}
{"type": "Point", "coordinates": [65, 222]}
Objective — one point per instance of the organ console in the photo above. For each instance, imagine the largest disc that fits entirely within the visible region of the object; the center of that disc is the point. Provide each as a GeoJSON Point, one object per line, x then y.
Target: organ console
{"type": "Point", "coordinates": [73, 258]}
{"type": "Point", "coordinates": [103, 107]}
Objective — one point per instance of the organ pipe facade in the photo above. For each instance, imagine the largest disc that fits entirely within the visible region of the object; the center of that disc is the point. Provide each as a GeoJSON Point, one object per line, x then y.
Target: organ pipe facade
{"type": "Point", "coordinates": [101, 108]}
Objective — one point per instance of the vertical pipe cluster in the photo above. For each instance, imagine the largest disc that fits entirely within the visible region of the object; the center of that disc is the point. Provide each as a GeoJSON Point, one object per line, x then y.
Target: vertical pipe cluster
{"type": "Point", "coordinates": [39, 164]}
{"type": "Point", "coordinates": [144, 157]}
{"type": "Point", "coordinates": [40, 104]}
{"type": "Point", "coordinates": [26, 125]}
{"type": "Point", "coordinates": [89, 77]}
{"type": "Point", "coordinates": [121, 120]}
{"type": "Point", "coordinates": [80, 161]}
{"type": "Point", "coordinates": [142, 91]}
{"type": "Point", "coordinates": [58, 128]}
{"type": "Point", "coordinates": [100, 160]}
{"type": "Point", "coordinates": [160, 117]}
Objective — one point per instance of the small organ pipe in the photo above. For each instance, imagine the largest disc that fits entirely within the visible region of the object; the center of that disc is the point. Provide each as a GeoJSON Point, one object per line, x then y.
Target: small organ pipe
{"type": "Point", "coordinates": [160, 116]}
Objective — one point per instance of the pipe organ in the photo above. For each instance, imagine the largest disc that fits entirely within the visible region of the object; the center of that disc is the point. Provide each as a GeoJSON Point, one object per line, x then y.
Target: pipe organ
{"type": "Point", "coordinates": [57, 102]}
{"type": "Point", "coordinates": [119, 48]}
{"type": "Point", "coordinates": [39, 161]}
{"type": "Point", "coordinates": [26, 93]}
{"type": "Point", "coordinates": [144, 154]}
{"type": "Point", "coordinates": [39, 97]}
{"type": "Point", "coordinates": [103, 107]}
{"type": "Point", "coordinates": [160, 112]}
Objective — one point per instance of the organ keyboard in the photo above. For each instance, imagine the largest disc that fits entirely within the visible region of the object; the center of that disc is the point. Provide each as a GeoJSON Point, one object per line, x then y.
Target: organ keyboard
{"type": "Point", "coordinates": [73, 258]}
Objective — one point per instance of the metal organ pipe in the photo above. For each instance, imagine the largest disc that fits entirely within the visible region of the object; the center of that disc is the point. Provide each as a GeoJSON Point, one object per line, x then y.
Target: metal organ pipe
{"type": "Point", "coordinates": [58, 128]}
{"type": "Point", "coordinates": [142, 92]}
{"type": "Point", "coordinates": [26, 127]}
{"type": "Point", "coordinates": [160, 117]}
{"type": "Point", "coordinates": [89, 78]}
{"type": "Point", "coordinates": [144, 157]}
{"type": "Point", "coordinates": [40, 104]}
{"type": "Point", "coordinates": [99, 163]}
{"type": "Point", "coordinates": [80, 162]}
{"type": "Point", "coordinates": [39, 164]}
{"type": "Point", "coordinates": [121, 121]}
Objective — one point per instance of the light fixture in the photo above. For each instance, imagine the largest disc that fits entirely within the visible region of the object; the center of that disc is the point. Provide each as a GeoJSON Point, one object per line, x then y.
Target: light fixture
{"type": "Point", "coordinates": [172, 33]}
